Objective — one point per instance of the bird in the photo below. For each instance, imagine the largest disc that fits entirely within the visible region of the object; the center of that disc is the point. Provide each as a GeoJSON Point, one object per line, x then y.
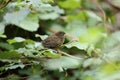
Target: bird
{"type": "Point", "coordinates": [54, 41]}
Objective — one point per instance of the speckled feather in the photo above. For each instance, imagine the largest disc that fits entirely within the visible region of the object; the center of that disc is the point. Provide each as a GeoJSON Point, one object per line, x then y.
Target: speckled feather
{"type": "Point", "coordinates": [54, 41]}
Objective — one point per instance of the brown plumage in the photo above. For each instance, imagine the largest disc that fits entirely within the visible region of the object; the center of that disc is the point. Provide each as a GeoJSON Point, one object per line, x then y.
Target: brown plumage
{"type": "Point", "coordinates": [54, 41]}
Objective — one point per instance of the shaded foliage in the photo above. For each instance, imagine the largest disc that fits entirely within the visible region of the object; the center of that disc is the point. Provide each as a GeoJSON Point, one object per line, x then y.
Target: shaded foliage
{"type": "Point", "coordinates": [91, 47]}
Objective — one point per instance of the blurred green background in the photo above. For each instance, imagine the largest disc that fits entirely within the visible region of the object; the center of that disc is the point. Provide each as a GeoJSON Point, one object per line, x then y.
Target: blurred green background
{"type": "Point", "coordinates": [92, 38]}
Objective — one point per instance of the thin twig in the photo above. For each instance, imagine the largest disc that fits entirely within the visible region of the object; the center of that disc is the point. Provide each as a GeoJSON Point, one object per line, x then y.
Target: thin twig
{"type": "Point", "coordinates": [117, 9]}
{"type": "Point", "coordinates": [61, 52]}
{"type": "Point", "coordinates": [103, 13]}
{"type": "Point", "coordinates": [101, 10]}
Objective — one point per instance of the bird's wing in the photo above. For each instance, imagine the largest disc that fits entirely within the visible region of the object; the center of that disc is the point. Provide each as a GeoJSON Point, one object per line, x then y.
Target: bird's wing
{"type": "Point", "coordinates": [51, 42]}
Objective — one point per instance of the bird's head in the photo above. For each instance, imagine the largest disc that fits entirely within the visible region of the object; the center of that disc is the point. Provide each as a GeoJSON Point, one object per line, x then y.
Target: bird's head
{"type": "Point", "coordinates": [60, 33]}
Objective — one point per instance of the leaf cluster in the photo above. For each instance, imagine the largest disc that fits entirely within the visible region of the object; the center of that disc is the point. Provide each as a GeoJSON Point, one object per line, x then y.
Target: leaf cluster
{"type": "Point", "coordinates": [92, 39]}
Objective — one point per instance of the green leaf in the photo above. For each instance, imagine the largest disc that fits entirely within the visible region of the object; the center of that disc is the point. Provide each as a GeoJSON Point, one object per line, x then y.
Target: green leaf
{"type": "Point", "coordinates": [29, 41]}
{"type": "Point", "coordinates": [93, 15]}
{"type": "Point", "coordinates": [41, 36]}
{"type": "Point", "coordinates": [70, 4]}
{"type": "Point", "coordinates": [102, 72]}
{"type": "Point", "coordinates": [58, 27]}
{"type": "Point", "coordinates": [47, 16]}
{"type": "Point", "coordinates": [92, 18]}
{"type": "Point", "coordinates": [88, 17]}
{"type": "Point", "coordinates": [92, 62]}
{"type": "Point", "coordinates": [35, 3]}
{"type": "Point", "coordinates": [6, 46]}
{"type": "Point", "coordinates": [16, 39]}
{"type": "Point", "coordinates": [51, 54]}
{"type": "Point", "coordinates": [8, 60]}
{"type": "Point", "coordinates": [3, 36]}
{"type": "Point", "coordinates": [12, 77]}
{"type": "Point", "coordinates": [34, 77]}
{"type": "Point", "coordinates": [114, 76]}
{"type": "Point", "coordinates": [27, 52]}
{"type": "Point", "coordinates": [43, 8]}
{"type": "Point", "coordinates": [2, 28]}
{"type": "Point", "coordinates": [90, 49]}
{"type": "Point", "coordinates": [48, 1]}
{"type": "Point", "coordinates": [9, 55]}
{"type": "Point", "coordinates": [52, 13]}
{"type": "Point", "coordinates": [92, 35]}
{"type": "Point", "coordinates": [112, 40]}
{"type": "Point", "coordinates": [62, 63]}
{"type": "Point", "coordinates": [111, 47]}
{"type": "Point", "coordinates": [82, 15]}
{"type": "Point", "coordinates": [38, 45]}
{"type": "Point", "coordinates": [75, 28]}
{"type": "Point", "coordinates": [14, 66]}
{"type": "Point", "coordinates": [20, 39]}
{"type": "Point", "coordinates": [81, 46]}
{"type": "Point", "coordinates": [31, 50]}
{"type": "Point", "coordinates": [30, 23]}
{"type": "Point", "coordinates": [16, 17]}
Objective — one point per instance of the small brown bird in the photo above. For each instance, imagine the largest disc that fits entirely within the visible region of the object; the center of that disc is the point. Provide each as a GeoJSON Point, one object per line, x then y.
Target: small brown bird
{"type": "Point", "coordinates": [54, 41]}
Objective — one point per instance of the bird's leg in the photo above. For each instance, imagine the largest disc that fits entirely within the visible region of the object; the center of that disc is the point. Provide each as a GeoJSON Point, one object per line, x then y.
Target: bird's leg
{"type": "Point", "coordinates": [58, 51]}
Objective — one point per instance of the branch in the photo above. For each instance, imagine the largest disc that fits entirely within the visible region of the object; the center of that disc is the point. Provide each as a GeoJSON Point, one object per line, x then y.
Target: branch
{"type": "Point", "coordinates": [108, 30]}
{"type": "Point", "coordinates": [4, 4]}
{"type": "Point", "coordinates": [101, 10]}
{"type": "Point", "coordinates": [113, 6]}
{"type": "Point", "coordinates": [61, 52]}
